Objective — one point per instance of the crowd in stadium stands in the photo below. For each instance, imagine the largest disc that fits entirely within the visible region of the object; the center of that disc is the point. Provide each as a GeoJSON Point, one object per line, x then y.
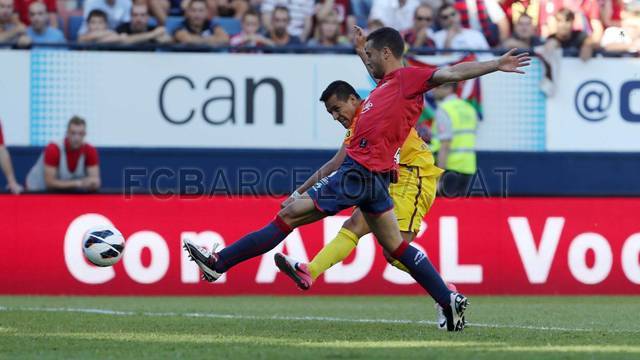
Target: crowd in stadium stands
{"type": "Point", "coordinates": [581, 26]}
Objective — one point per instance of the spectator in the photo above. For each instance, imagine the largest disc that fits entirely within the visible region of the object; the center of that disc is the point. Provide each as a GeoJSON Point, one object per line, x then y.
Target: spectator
{"type": "Point", "coordinates": [279, 32]}
{"type": "Point", "coordinates": [397, 14]}
{"type": "Point", "coordinates": [453, 35]}
{"type": "Point", "coordinates": [341, 9]}
{"type": "Point", "coordinates": [196, 29]}
{"type": "Point", "coordinates": [98, 31]}
{"type": "Point", "coordinates": [361, 10]}
{"type": "Point", "coordinates": [138, 30]}
{"type": "Point", "coordinates": [68, 165]}
{"type": "Point", "coordinates": [328, 34]}
{"type": "Point", "coordinates": [611, 13]}
{"type": "Point", "coordinates": [481, 15]}
{"type": "Point", "coordinates": [250, 35]}
{"type": "Point", "coordinates": [625, 37]}
{"type": "Point", "coordinates": [524, 35]}
{"type": "Point", "coordinates": [23, 8]}
{"type": "Point", "coordinates": [588, 17]}
{"type": "Point", "coordinates": [587, 14]}
{"type": "Point", "coordinates": [10, 27]}
{"type": "Point", "coordinates": [40, 32]}
{"type": "Point", "coordinates": [421, 33]}
{"type": "Point", "coordinates": [117, 11]}
{"type": "Point", "coordinates": [568, 39]}
{"type": "Point", "coordinates": [454, 139]}
{"type": "Point", "coordinates": [7, 167]}
{"type": "Point", "coordinates": [373, 25]}
{"type": "Point", "coordinates": [300, 16]}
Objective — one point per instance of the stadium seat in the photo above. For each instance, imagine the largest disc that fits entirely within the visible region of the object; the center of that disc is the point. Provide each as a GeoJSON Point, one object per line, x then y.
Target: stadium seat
{"type": "Point", "coordinates": [231, 25]}
{"type": "Point", "coordinates": [73, 26]}
{"type": "Point", "coordinates": [172, 23]}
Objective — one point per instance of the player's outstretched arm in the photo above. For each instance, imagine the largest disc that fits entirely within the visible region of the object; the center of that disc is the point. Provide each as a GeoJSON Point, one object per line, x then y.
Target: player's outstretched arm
{"type": "Point", "coordinates": [330, 166]}
{"type": "Point", "coordinates": [508, 62]}
{"type": "Point", "coordinates": [359, 39]}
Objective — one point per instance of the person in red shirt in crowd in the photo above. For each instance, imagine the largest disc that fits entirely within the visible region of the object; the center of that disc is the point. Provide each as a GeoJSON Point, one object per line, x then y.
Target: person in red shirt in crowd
{"type": "Point", "coordinates": [69, 165]}
{"type": "Point", "coordinates": [22, 8]}
{"type": "Point", "coordinates": [7, 167]}
{"type": "Point", "coordinates": [384, 121]}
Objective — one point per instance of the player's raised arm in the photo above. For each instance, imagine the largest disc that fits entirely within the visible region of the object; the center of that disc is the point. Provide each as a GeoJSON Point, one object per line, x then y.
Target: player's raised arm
{"type": "Point", "coordinates": [359, 40]}
{"type": "Point", "coordinates": [508, 62]}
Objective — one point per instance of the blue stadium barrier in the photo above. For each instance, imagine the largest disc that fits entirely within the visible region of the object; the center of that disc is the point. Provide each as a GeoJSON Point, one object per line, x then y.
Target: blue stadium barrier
{"type": "Point", "coordinates": [73, 26]}
{"type": "Point", "coordinates": [527, 174]}
{"type": "Point", "coordinates": [231, 25]}
{"type": "Point", "coordinates": [172, 23]}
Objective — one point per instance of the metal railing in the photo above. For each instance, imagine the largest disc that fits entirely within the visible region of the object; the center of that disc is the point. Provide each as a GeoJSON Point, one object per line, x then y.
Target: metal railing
{"type": "Point", "coordinates": [293, 49]}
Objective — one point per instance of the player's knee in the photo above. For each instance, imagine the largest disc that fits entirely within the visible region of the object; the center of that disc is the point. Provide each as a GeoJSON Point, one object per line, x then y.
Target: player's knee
{"type": "Point", "coordinates": [356, 225]}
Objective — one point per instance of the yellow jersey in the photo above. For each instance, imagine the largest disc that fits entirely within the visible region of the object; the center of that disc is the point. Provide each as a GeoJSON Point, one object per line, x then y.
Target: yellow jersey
{"type": "Point", "coordinates": [415, 152]}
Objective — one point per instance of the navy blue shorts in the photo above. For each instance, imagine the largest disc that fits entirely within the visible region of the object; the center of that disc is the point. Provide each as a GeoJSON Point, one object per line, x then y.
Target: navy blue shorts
{"type": "Point", "coordinates": [352, 185]}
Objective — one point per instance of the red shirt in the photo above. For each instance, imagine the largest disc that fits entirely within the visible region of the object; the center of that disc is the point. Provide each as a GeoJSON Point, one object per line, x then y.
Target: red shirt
{"type": "Point", "coordinates": [387, 116]}
{"type": "Point", "coordinates": [52, 155]}
{"type": "Point", "coordinates": [1, 136]}
{"type": "Point", "coordinates": [22, 8]}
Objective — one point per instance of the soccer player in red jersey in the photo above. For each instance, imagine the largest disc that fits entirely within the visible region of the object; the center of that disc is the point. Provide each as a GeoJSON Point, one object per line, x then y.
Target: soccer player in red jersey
{"type": "Point", "coordinates": [386, 118]}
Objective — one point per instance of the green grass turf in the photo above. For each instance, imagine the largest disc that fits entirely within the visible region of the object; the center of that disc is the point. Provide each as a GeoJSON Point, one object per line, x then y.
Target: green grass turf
{"type": "Point", "coordinates": [157, 327]}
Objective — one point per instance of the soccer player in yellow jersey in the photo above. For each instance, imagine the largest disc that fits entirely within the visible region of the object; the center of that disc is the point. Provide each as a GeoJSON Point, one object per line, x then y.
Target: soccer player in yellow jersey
{"type": "Point", "coordinates": [412, 194]}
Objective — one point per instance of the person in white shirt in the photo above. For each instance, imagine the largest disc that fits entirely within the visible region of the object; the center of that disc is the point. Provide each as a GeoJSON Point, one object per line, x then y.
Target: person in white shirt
{"type": "Point", "coordinates": [453, 35]}
{"type": "Point", "coordinates": [300, 15]}
{"type": "Point", "coordinates": [397, 14]}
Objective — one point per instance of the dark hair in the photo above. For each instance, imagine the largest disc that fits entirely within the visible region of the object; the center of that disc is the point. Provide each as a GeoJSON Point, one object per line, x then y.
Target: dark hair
{"type": "Point", "coordinates": [341, 89]}
{"type": "Point", "coordinates": [387, 37]}
{"type": "Point", "coordinates": [76, 120]}
{"type": "Point", "coordinates": [97, 13]}
{"type": "Point", "coordinates": [281, 8]}
{"type": "Point", "coordinates": [444, 7]}
{"type": "Point", "coordinates": [567, 14]}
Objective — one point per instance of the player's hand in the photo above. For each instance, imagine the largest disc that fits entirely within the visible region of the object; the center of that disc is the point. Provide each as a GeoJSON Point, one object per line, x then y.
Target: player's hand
{"type": "Point", "coordinates": [359, 38]}
{"type": "Point", "coordinates": [512, 63]}
{"type": "Point", "coordinates": [15, 188]}
{"type": "Point", "coordinates": [287, 202]}
{"type": "Point", "coordinates": [291, 199]}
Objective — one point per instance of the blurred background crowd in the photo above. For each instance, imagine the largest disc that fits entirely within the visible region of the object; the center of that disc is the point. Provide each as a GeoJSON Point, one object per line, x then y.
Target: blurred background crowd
{"type": "Point", "coordinates": [578, 26]}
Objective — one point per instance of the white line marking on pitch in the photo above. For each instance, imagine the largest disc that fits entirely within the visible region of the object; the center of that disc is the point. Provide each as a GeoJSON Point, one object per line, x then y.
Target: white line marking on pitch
{"type": "Point", "coordinates": [291, 318]}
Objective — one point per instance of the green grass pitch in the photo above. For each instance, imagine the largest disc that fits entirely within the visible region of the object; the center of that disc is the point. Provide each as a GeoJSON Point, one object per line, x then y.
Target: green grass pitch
{"type": "Point", "coordinates": [315, 327]}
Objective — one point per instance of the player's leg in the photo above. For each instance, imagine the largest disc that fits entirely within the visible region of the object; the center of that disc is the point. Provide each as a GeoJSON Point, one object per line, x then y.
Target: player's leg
{"type": "Point", "coordinates": [341, 246]}
{"type": "Point", "coordinates": [385, 227]}
{"type": "Point", "coordinates": [344, 189]}
{"type": "Point", "coordinates": [336, 250]}
{"type": "Point", "coordinates": [300, 212]}
{"type": "Point", "coordinates": [413, 195]}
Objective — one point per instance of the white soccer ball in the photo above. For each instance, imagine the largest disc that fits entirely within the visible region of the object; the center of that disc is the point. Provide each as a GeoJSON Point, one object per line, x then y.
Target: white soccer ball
{"type": "Point", "coordinates": [103, 245]}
